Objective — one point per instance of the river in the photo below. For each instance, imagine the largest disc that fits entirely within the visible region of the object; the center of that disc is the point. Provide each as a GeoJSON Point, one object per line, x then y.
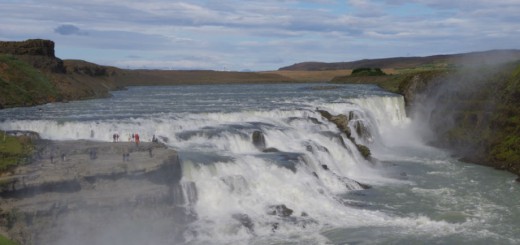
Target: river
{"type": "Point", "coordinates": [305, 183]}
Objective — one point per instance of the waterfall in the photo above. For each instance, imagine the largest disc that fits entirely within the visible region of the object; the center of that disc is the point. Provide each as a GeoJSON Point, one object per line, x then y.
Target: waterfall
{"type": "Point", "coordinates": [232, 186]}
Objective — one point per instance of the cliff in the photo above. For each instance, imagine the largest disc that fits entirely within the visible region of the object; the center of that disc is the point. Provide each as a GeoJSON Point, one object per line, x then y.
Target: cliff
{"type": "Point", "coordinates": [87, 192]}
{"type": "Point", "coordinates": [30, 74]}
{"type": "Point", "coordinates": [474, 112]}
{"type": "Point", "coordinates": [33, 47]}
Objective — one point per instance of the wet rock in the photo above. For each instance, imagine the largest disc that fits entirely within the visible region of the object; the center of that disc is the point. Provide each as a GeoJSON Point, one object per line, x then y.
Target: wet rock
{"type": "Point", "coordinates": [342, 121]}
{"type": "Point", "coordinates": [365, 151]}
{"type": "Point", "coordinates": [362, 131]}
{"type": "Point", "coordinates": [163, 139]}
{"type": "Point", "coordinates": [364, 186]}
{"type": "Point", "coordinates": [270, 150]}
{"type": "Point", "coordinates": [280, 210]}
{"type": "Point", "coordinates": [259, 140]}
{"type": "Point", "coordinates": [274, 227]}
{"type": "Point", "coordinates": [245, 220]}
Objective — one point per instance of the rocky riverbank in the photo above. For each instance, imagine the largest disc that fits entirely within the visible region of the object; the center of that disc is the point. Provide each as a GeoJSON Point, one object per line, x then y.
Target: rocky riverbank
{"type": "Point", "coordinates": [472, 111]}
{"type": "Point", "coordinates": [75, 191]}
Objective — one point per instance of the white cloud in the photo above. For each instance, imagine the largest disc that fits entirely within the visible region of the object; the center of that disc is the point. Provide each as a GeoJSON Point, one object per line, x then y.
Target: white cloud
{"type": "Point", "coordinates": [246, 34]}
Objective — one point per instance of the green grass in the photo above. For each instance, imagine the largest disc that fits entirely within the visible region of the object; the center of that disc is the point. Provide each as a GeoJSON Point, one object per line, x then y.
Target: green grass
{"type": "Point", "coordinates": [5, 241]}
{"type": "Point", "coordinates": [13, 151]}
{"type": "Point", "coordinates": [426, 67]}
{"type": "Point", "coordinates": [22, 84]}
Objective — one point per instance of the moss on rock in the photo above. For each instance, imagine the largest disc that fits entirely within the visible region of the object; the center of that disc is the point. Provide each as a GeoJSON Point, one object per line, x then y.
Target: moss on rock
{"type": "Point", "coordinates": [13, 151]}
{"type": "Point", "coordinates": [476, 114]}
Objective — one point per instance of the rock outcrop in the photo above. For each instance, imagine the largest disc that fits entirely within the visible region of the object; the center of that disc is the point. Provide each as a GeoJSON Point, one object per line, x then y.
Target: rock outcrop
{"type": "Point", "coordinates": [36, 52]}
{"type": "Point", "coordinates": [92, 187]}
{"type": "Point", "coordinates": [34, 47]}
{"type": "Point", "coordinates": [473, 112]}
{"type": "Point", "coordinates": [341, 121]}
{"type": "Point", "coordinates": [258, 140]}
{"type": "Point", "coordinates": [30, 74]}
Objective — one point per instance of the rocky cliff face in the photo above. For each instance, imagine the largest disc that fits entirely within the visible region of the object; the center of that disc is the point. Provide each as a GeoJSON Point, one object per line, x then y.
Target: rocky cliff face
{"type": "Point", "coordinates": [473, 112]}
{"type": "Point", "coordinates": [84, 192]}
{"type": "Point", "coordinates": [36, 52]}
{"type": "Point", "coordinates": [30, 74]}
{"type": "Point", "coordinates": [34, 47]}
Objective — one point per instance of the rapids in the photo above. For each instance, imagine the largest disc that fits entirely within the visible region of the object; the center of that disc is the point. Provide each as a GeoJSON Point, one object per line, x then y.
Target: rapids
{"type": "Point", "coordinates": [308, 184]}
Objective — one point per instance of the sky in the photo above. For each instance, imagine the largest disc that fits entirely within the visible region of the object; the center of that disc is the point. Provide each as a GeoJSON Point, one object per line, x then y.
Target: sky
{"type": "Point", "coordinates": [259, 34]}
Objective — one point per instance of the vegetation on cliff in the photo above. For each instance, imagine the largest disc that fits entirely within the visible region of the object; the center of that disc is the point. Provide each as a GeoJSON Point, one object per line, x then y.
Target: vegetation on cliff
{"type": "Point", "coordinates": [502, 137]}
{"type": "Point", "coordinates": [30, 74]}
{"type": "Point", "coordinates": [5, 241]}
{"type": "Point", "coordinates": [22, 84]}
{"type": "Point", "coordinates": [473, 111]}
{"type": "Point", "coordinates": [367, 71]}
{"type": "Point", "coordinates": [13, 151]}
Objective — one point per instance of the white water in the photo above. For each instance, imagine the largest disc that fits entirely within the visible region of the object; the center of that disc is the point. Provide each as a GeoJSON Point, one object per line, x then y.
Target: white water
{"type": "Point", "coordinates": [228, 176]}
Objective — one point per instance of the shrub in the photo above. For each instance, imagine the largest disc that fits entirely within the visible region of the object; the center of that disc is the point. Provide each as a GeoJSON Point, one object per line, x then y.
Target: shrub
{"type": "Point", "coordinates": [367, 72]}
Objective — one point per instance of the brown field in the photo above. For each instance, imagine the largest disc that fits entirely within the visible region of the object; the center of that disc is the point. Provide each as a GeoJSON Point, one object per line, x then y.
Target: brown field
{"type": "Point", "coordinates": [311, 76]}
{"type": "Point", "coordinates": [318, 76]}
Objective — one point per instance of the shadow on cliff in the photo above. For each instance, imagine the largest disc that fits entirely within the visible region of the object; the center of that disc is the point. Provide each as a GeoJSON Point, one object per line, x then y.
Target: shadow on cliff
{"type": "Point", "coordinates": [473, 111]}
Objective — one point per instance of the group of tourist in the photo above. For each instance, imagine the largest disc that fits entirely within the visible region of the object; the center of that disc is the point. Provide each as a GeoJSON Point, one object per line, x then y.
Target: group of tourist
{"type": "Point", "coordinates": [132, 138]}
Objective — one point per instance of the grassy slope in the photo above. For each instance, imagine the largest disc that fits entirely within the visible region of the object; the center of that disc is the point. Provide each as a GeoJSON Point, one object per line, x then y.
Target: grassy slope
{"type": "Point", "coordinates": [13, 151]}
{"type": "Point", "coordinates": [503, 138]}
{"type": "Point", "coordinates": [5, 241]}
{"type": "Point", "coordinates": [21, 84]}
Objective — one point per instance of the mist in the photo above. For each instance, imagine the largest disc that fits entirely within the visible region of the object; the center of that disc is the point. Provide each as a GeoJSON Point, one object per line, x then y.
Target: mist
{"type": "Point", "coordinates": [455, 109]}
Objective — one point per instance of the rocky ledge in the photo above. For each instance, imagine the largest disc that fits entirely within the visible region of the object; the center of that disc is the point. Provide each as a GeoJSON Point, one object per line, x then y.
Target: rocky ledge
{"type": "Point", "coordinates": [73, 191]}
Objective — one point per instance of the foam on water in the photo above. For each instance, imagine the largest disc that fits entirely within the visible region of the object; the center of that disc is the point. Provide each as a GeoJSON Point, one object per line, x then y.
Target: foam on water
{"type": "Point", "coordinates": [230, 184]}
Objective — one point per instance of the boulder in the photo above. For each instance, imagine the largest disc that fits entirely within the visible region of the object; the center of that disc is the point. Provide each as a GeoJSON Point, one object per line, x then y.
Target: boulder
{"type": "Point", "coordinates": [245, 221]}
{"type": "Point", "coordinates": [341, 121]}
{"type": "Point", "coordinates": [364, 186]}
{"type": "Point", "coordinates": [271, 150]}
{"type": "Point", "coordinates": [259, 140]}
{"type": "Point", "coordinates": [365, 151]}
{"type": "Point", "coordinates": [280, 210]}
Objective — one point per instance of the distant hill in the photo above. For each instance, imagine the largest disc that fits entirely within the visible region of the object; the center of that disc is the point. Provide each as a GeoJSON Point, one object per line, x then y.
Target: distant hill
{"type": "Point", "coordinates": [409, 62]}
{"type": "Point", "coordinates": [31, 74]}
